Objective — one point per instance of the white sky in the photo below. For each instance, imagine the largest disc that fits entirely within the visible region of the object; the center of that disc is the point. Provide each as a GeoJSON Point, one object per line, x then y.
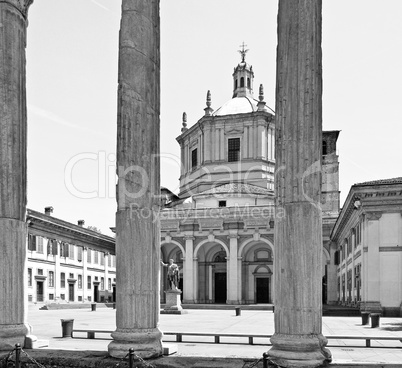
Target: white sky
{"type": "Point", "coordinates": [72, 89]}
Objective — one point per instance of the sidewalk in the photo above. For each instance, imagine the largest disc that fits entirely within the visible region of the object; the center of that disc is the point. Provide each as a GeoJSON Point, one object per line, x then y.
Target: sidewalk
{"type": "Point", "coordinates": [47, 326]}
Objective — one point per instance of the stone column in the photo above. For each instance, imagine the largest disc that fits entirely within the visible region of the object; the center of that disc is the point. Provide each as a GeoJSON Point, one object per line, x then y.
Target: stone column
{"type": "Point", "coordinates": [188, 289]}
{"type": "Point", "coordinates": [13, 156]}
{"type": "Point", "coordinates": [138, 188]}
{"type": "Point", "coordinates": [233, 271]}
{"type": "Point", "coordinates": [298, 340]}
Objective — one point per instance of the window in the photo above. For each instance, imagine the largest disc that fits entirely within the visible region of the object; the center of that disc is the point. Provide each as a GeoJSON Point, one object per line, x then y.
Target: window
{"type": "Point", "coordinates": [79, 281]}
{"type": "Point", "coordinates": [109, 284]}
{"type": "Point", "coordinates": [51, 296]}
{"type": "Point", "coordinates": [29, 276]}
{"type": "Point", "coordinates": [52, 247]}
{"type": "Point", "coordinates": [248, 83]}
{"type": "Point", "coordinates": [40, 271]}
{"type": "Point", "coordinates": [102, 285]}
{"type": "Point", "coordinates": [96, 257]}
{"type": "Point", "coordinates": [242, 82]}
{"type": "Point", "coordinates": [79, 254]}
{"type": "Point", "coordinates": [62, 296]}
{"type": "Point", "coordinates": [71, 276]}
{"type": "Point", "coordinates": [235, 86]}
{"type": "Point", "coordinates": [89, 252]}
{"type": "Point", "coordinates": [51, 279]}
{"type": "Point", "coordinates": [64, 248]}
{"type": "Point", "coordinates": [71, 254]}
{"type": "Point", "coordinates": [233, 149]}
{"type": "Point", "coordinates": [31, 242]}
{"type": "Point", "coordinates": [102, 259]}
{"type": "Point", "coordinates": [109, 260]}
{"type": "Point", "coordinates": [89, 282]}
{"type": "Point", "coordinates": [324, 148]}
{"type": "Point", "coordinates": [194, 162]}
{"type": "Point", "coordinates": [63, 280]}
{"type": "Point", "coordinates": [222, 203]}
{"type": "Point", "coordinates": [39, 244]}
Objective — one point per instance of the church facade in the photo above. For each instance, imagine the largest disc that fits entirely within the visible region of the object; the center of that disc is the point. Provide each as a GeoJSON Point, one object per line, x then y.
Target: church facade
{"type": "Point", "coordinates": [220, 227]}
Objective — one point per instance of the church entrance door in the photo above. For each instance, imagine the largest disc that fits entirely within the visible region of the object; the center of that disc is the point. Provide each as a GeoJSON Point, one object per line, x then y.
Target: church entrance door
{"type": "Point", "coordinates": [262, 286]}
{"type": "Point", "coordinates": [220, 287]}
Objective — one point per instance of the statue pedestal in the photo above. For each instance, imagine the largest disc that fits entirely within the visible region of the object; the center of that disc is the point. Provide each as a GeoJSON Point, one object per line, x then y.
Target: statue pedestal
{"type": "Point", "coordinates": [173, 303]}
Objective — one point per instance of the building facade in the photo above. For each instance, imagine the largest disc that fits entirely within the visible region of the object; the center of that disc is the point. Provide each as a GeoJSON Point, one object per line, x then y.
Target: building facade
{"type": "Point", "coordinates": [67, 262]}
{"type": "Point", "coordinates": [367, 244]}
{"type": "Point", "coordinates": [220, 228]}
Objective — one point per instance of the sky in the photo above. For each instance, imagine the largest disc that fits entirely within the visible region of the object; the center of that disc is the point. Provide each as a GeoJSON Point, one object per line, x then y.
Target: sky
{"type": "Point", "coordinates": [72, 55]}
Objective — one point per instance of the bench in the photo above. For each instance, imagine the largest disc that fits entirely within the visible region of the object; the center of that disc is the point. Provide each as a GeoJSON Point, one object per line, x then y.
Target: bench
{"type": "Point", "coordinates": [91, 333]}
{"type": "Point", "coordinates": [251, 337]}
{"type": "Point", "coordinates": [367, 338]}
{"type": "Point", "coordinates": [217, 336]}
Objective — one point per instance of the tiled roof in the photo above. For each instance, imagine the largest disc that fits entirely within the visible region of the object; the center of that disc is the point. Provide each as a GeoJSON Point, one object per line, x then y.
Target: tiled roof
{"type": "Point", "coordinates": [237, 188]}
{"type": "Point", "coordinates": [380, 182]}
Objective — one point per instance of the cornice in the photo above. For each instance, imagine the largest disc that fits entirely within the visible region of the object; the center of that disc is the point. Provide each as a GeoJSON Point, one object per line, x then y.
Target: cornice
{"type": "Point", "coordinates": [21, 5]}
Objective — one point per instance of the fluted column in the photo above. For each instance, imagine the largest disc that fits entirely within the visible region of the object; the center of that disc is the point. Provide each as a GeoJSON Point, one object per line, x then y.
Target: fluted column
{"type": "Point", "coordinates": [13, 179]}
{"type": "Point", "coordinates": [298, 341]}
{"type": "Point", "coordinates": [138, 189]}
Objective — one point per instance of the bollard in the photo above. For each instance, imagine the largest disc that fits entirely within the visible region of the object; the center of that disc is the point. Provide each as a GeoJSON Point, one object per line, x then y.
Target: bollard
{"type": "Point", "coordinates": [17, 355]}
{"type": "Point", "coordinates": [131, 358]}
{"type": "Point", "coordinates": [375, 320]}
{"type": "Point", "coordinates": [93, 307]}
{"type": "Point", "coordinates": [238, 311]}
{"type": "Point", "coordinates": [67, 327]}
{"type": "Point", "coordinates": [365, 318]}
{"type": "Point", "coordinates": [265, 360]}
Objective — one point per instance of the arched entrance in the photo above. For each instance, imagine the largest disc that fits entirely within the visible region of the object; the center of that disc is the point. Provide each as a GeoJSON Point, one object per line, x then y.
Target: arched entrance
{"type": "Point", "coordinates": [220, 277]}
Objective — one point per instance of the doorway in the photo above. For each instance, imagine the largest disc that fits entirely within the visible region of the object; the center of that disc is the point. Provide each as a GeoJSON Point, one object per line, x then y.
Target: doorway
{"type": "Point", "coordinates": [39, 291]}
{"type": "Point", "coordinates": [220, 287]}
{"type": "Point", "coordinates": [96, 296]}
{"type": "Point", "coordinates": [262, 290]}
{"type": "Point", "coordinates": [70, 292]}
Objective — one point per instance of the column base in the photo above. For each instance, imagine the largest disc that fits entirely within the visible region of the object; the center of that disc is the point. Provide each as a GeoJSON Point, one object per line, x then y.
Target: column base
{"type": "Point", "coordinates": [292, 351]}
{"type": "Point", "coordinates": [13, 334]}
{"type": "Point", "coordinates": [147, 343]}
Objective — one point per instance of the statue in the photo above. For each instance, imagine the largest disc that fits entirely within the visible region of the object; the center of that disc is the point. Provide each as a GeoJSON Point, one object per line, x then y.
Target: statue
{"type": "Point", "coordinates": [173, 275]}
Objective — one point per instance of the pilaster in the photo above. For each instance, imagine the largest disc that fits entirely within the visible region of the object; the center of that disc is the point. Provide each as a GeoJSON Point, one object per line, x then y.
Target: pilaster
{"type": "Point", "coordinates": [233, 270]}
{"type": "Point", "coordinates": [188, 274]}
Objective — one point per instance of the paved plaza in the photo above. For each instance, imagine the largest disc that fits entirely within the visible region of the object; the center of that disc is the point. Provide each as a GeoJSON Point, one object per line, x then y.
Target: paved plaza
{"type": "Point", "coordinates": [47, 326]}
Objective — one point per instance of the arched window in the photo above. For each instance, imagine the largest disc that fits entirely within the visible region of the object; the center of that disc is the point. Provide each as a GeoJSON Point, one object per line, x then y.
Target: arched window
{"type": "Point", "coordinates": [235, 86]}
{"type": "Point", "coordinates": [324, 147]}
{"type": "Point", "coordinates": [242, 82]}
{"type": "Point", "coordinates": [248, 83]}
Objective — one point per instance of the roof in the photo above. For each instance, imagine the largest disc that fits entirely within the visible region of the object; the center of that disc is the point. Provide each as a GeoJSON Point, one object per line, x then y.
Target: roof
{"type": "Point", "coordinates": [237, 188]}
{"type": "Point", "coordinates": [239, 105]}
{"type": "Point", "coordinates": [380, 182]}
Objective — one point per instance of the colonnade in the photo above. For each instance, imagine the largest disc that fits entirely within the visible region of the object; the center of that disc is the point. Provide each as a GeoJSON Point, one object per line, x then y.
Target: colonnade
{"type": "Point", "coordinates": [298, 340]}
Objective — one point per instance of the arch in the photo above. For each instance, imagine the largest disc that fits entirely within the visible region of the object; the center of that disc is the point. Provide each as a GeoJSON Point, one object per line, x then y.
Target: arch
{"type": "Point", "coordinates": [213, 241]}
{"type": "Point", "coordinates": [248, 83]}
{"type": "Point", "coordinates": [235, 84]}
{"type": "Point", "coordinates": [241, 82]}
{"type": "Point", "coordinates": [175, 243]}
{"type": "Point", "coordinates": [246, 242]}
{"type": "Point", "coordinates": [267, 269]}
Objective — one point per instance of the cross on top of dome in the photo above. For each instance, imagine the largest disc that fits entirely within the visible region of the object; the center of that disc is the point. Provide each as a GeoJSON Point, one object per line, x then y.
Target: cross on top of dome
{"type": "Point", "coordinates": [243, 52]}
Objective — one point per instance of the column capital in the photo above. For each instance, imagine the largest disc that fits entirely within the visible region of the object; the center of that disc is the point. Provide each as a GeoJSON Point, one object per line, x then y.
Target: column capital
{"type": "Point", "coordinates": [21, 5]}
{"type": "Point", "coordinates": [188, 237]}
{"type": "Point", "coordinates": [373, 216]}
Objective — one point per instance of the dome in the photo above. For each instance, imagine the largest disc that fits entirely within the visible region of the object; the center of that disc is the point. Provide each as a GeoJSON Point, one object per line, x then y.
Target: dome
{"type": "Point", "coordinates": [239, 105]}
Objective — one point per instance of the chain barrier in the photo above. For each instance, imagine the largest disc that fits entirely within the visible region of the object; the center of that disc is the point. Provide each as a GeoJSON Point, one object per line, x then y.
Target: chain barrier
{"type": "Point", "coordinates": [266, 362]}
{"type": "Point", "coordinates": [4, 362]}
{"type": "Point", "coordinates": [131, 356]}
{"type": "Point", "coordinates": [32, 360]}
